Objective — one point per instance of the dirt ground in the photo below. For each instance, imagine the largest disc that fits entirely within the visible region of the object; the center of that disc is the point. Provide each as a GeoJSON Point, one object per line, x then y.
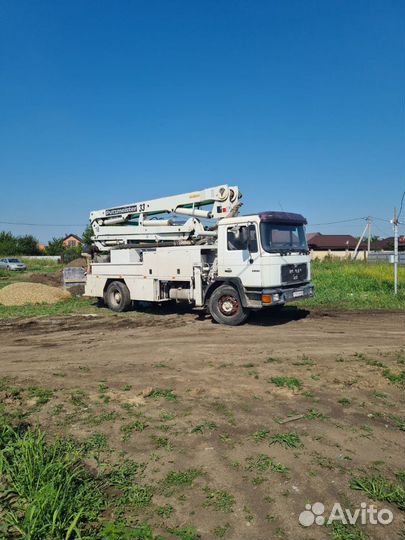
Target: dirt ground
{"type": "Point", "coordinates": [224, 407]}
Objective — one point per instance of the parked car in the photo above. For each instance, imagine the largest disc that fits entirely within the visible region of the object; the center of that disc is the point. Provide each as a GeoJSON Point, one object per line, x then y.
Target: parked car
{"type": "Point", "coordinates": [12, 264]}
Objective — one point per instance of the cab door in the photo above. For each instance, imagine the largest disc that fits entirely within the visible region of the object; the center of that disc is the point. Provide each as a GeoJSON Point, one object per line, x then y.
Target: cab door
{"type": "Point", "coordinates": [240, 255]}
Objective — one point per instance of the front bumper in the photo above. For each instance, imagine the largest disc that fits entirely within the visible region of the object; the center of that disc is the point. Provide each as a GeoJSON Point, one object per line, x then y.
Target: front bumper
{"type": "Point", "coordinates": [278, 296]}
{"type": "Point", "coordinates": [283, 295]}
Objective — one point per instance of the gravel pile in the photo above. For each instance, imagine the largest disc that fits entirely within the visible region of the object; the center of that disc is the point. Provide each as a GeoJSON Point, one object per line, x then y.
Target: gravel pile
{"type": "Point", "coordinates": [19, 294]}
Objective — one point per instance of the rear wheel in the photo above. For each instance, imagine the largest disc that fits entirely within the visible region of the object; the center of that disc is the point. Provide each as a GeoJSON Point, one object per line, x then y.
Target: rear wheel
{"type": "Point", "coordinates": [117, 296]}
{"type": "Point", "coordinates": [226, 307]}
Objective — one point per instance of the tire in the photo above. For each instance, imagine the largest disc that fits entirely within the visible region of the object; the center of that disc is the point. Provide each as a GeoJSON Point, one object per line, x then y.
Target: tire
{"type": "Point", "coordinates": [117, 296]}
{"type": "Point", "coordinates": [226, 307]}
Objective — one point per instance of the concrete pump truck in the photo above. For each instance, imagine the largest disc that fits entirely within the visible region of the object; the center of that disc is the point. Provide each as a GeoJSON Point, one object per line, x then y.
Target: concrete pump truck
{"type": "Point", "coordinates": [215, 258]}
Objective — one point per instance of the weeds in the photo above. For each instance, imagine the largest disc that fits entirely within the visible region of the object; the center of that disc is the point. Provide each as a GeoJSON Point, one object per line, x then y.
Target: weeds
{"type": "Point", "coordinates": [42, 395]}
{"type": "Point", "coordinates": [290, 382]}
{"type": "Point", "coordinates": [219, 500]}
{"type": "Point", "coordinates": [394, 378]}
{"type": "Point", "coordinates": [380, 489]}
{"type": "Point", "coordinates": [288, 440]}
{"type": "Point", "coordinates": [162, 392]}
{"type": "Point", "coordinates": [54, 496]}
{"type": "Point", "coordinates": [128, 429]}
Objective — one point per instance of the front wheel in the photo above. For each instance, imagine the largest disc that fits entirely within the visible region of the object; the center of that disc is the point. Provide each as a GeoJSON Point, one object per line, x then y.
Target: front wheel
{"type": "Point", "coordinates": [226, 307]}
{"type": "Point", "coordinates": [117, 296]}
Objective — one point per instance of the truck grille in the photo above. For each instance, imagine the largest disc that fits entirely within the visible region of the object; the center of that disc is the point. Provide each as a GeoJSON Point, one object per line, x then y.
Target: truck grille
{"type": "Point", "coordinates": [294, 273]}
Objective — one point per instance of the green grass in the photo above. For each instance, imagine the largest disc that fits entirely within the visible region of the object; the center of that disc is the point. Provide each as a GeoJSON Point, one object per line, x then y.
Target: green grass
{"type": "Point", "coordinates": [181, 478]}
{"type": "Point", "coordinates": [163, 392]}
{"type": "Point", "coordinates": [130, 427]}
{"type": "Point", "coordinates": [53, 495]}
{"type": "Point", "coordinates": [289, 382]}
{"type": "Point", "coordinates": [341, 531]}
{"type": "Point", "coordinates": [72, 305]}
{"type": "Point", "coordinates": [394, 378]}
{"type": "Point", "coordinates": [219, 500]}
{"type": "Point", "coordinates": [380, 489]}
{"type": "Point", "coordinates": [263, 463]}
{"type": "Point", "coordinates": [288, 440]}
{"type": "Point", "coordinates": [356, 285]}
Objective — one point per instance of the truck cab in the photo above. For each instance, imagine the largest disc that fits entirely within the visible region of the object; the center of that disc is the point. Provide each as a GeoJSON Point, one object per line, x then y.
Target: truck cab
{"type": "Point", "coordinates": [266, 257]}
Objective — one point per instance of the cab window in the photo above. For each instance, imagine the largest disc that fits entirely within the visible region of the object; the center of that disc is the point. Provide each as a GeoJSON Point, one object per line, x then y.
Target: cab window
{"type": "Point", "coordinates": [241, 237]}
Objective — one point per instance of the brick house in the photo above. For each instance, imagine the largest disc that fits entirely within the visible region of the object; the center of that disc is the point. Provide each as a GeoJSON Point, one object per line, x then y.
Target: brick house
{"type": "Point", "coordinates": [72, 240]}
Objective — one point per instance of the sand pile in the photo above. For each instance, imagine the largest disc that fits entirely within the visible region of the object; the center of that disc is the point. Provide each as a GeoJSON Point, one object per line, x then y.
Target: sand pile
{"type": "Point", "coordinates": [81, 262]}
{"type": "Point", "coordinates": [19, 294]}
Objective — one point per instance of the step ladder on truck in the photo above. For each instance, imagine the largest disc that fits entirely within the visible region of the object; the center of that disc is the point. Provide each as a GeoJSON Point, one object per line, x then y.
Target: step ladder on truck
{"type": "Point", "coordinates": [213, 258]}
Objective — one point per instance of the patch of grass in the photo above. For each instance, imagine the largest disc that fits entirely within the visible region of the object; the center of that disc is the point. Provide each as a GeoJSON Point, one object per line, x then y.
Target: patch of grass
{"type": "Point", "coordinates": [42, 395]}
{"type": "Point", "coordinates": [272, 360]}
{"type": "Point", "coordinates": [288, 440]}
{"type": "Point", "coordinates": [261, 435]}
{"type": "Point", "coordinates": [130, 427]}
{"type": "Point", "coordinates": [79, 398]}
{"type": "Point", "coordinates": [341, 531]}
{"type": "Point", "coordinates": [219, 500]}
{"type": "Point", "coordinates": [161, 442]}
{"type": "Point", "coordinates": [181, 478]}
{"type": "Point", "coordinates": [122, 531]}
{"type": "Point", "coordinates": [163, 392]}
{"type": "Point", "coordinates": [305, 361]}
{"type": "Point", "coordinates": [126, 387]}
{"type": "Point", "coordinates": [313, 414]}
{"type": "Point", "coordinates": [394, 378]}
{"type": "Point", "coordinates": [262, 463]}
{"type": "Point", "coordinates": [106, 416]}
{"type": "Point", "coordinates": [165, 511]}
{"type": "Point", "coordinates": [355, 285]}
{"type": "Point", "coordinates": [123, 474]}
{"type": "Point", "coordinates": [220, 532]}
{"type": "Point", "coordinates": [345, 402]}
{"type": "Point", "coordinates": [200, 428]}
{"type": "Point", "coordinates": [97, 442]}
{"type": "Point", "coordinates": [380, 489]}
{"type": "Point", "coordinates": [375, 363]}
{"type": "Point", "coordinates": [137, 495]}
{"type": "Point", "coordinates": [54, 495]}
{"type": "Point", "coordinates": [399, 421]}
{"type": "Point", "coordinates": [75, 304]}
{"type": "Point", "coordinates": [184, 533]}
{"type": "Point", "coordinates": [289, 382]}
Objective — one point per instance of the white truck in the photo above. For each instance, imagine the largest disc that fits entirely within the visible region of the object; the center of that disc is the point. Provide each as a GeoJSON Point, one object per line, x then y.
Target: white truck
{"type": "Point", "coordinates": [235, 265]}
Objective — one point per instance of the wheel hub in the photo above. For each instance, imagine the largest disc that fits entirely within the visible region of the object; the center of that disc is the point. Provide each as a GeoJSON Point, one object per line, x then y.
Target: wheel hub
{"type": "Point", "coordinates": [117, 297]}
{"type": "Point", "coordinates": [228, 305]}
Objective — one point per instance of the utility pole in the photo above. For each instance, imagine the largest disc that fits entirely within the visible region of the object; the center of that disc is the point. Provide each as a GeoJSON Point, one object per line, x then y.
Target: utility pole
{"type": "Point", "coordinates": [356, 250]}
{"type": "Point", "coordinates": [395, 225]}
{"type": "Point", "coordinates": [369, 222]}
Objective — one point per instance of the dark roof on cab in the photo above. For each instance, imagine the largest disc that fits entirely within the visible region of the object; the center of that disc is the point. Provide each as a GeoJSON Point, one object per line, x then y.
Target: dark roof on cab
{"type": "Point", "coordinates": [282, 217]}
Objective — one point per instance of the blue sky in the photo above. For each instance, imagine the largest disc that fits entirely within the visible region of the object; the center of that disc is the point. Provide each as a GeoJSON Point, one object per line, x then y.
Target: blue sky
{"type": "Point", "coordinates": [299, 103]}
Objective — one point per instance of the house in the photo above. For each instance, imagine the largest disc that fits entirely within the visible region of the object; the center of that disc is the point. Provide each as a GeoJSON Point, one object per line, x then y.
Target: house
{"type": "Point", "coordinates": [335, 242]}
{"type": "Point", "coordinates": [72, 240]}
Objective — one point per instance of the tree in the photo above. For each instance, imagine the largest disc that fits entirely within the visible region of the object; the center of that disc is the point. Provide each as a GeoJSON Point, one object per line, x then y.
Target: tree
{"type": "Point", "coordinates": [18, 245]}
{"type": "Point", "coordinates": [27, 245]}
{"type": "Point", "coordinates": [87, 234]}
{"type": "Point", "coordinates": [55, 246]}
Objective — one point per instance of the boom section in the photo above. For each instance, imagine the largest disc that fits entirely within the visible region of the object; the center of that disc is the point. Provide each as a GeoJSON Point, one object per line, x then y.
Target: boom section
{"type": "Point", "coordinates": [115, 226]}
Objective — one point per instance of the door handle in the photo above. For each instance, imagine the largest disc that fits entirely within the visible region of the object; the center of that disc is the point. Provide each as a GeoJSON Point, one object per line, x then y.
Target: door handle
{"type": "Point", "coordinates": [228, 270]}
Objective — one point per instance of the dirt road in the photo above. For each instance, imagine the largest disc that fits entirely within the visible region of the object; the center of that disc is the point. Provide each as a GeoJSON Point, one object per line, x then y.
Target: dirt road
{"type": "Point", "coordinates": [230, 387]}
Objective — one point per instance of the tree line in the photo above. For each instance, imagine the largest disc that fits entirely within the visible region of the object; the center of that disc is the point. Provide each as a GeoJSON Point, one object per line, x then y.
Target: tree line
{"type": "Point", "coordinates": [11, 245]}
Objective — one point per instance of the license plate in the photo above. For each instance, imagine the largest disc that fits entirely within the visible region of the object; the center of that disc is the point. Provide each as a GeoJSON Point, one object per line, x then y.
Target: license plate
{"type": "Point", "coordinates": [296, 294]}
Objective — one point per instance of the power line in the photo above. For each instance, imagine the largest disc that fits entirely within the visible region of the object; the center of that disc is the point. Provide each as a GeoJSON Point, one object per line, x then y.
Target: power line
{"type": "Point", "coordinates": [335, 222]}
{"type": "Point", "coordinates": [43, 224]}
{"type": "Point", "coordinates": [402, 202]}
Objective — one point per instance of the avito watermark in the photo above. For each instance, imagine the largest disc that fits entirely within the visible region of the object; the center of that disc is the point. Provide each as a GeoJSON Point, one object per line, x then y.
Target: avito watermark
{"type": "Point", "coordinates": [366, 514]}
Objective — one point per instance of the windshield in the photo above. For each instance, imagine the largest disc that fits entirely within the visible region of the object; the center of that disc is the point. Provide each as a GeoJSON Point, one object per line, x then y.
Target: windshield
{"type": "Point", "coordinates": [283, 237]}
{"type": "Point", "coordinates": [14, 260]}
